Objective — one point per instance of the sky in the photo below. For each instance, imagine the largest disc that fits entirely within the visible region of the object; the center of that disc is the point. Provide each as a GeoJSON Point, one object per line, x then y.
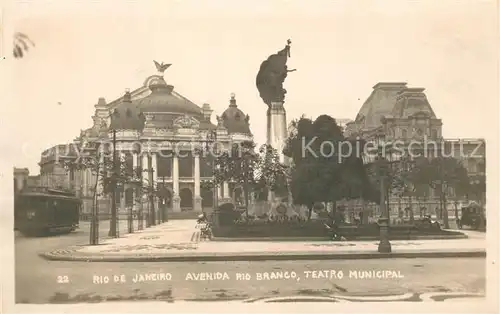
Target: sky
{"type": "Point", "coordinates": [340, 49]}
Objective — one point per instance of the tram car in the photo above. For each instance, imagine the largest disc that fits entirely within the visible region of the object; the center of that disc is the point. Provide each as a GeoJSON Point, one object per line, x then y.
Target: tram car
{"type": "Point", "coordinates": [44, 211]}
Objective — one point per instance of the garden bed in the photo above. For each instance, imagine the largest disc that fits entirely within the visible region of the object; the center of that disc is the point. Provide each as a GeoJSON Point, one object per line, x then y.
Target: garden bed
{"type": "Point", "coordinates": [397, 232]}
{"type": "Point", "coordinates": [315, 230]}
{"type": "Point", "coordinates": [312, 229]}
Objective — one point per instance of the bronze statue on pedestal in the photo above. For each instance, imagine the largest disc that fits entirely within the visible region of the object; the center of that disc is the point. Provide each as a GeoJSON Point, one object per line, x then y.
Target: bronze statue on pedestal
{"type": "Point", "coordinates": [272, 75]}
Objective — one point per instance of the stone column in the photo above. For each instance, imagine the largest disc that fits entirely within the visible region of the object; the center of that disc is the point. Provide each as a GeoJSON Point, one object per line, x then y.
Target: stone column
{"type": "Point", "coordinates": [197, 194]}
{"type": "Point", "coordinates": [154, 165]}
{"type": "Point", "coordinates": [68, 176]}
{"type": "Point", "coordinates": [135, 162]}
{"type": "Point", "coordinates": [176, 200]}
{"type": "Point", "coordinates": [122, 193]}
{"type": "Point", "coordinates": [219, 194]}
{"type": "Point", "coordinates": [84, 182]}
{"type": "Point", "coordinates": [225, 193]}
{"type": "Point", "coordinates": [145, 179]}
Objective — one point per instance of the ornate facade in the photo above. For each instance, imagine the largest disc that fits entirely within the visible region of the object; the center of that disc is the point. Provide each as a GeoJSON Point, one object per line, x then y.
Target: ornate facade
{"type": "Point", "coordinates": [399, 113]}
{"type": "Point", "coordinates": [166, 136]}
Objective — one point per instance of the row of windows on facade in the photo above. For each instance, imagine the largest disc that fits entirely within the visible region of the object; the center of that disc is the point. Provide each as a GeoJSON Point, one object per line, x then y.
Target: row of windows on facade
{"type": "Point", "coordinates": [164, 166]}
{"type": "Point", "coordinates": [404, 133]}
{"type": "Point", "coordinates": [186, 196]}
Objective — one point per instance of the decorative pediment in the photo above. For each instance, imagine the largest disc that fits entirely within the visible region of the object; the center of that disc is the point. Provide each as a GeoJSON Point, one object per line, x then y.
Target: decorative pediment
{"type": "Point", "coordinates": [186, 122]}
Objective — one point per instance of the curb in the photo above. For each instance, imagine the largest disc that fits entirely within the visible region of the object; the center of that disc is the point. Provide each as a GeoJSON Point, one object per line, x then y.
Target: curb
{"type": "Point", "coordinates": [75, 256]}
{"type": "Point", "coordinates": [375, 238]}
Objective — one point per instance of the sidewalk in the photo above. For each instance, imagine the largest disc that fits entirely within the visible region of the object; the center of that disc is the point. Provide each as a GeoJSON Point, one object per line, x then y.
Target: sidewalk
{"type": "Point", "coordinates": [178, 240]}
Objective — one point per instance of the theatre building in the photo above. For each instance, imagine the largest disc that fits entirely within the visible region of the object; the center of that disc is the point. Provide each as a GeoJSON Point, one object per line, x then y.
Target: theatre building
{"type": "Point", "coordinates": [167, 137]}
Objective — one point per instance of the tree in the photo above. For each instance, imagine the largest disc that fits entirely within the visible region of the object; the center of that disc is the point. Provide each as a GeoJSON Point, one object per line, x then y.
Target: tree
{"type": "Point", "coordinates": [22, 44]}
{"type": "Point", "coordinates": [323, 171]}
{"type": "Point", "coordinates": [270, 173]}
{"type": "Point", "coordinates": [441, 174]}
{"type": "Point", "coordinates": [402, 180]}
{"type": "Point", "coordinates": [96, 157]}
{"type": "Point", "coordinates": [238, 165]}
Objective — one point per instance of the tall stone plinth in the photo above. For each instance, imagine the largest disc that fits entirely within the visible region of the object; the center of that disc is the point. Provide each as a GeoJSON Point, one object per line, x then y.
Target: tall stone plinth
{"type": "Point", "coordinates": [276, 133]}
{"type": "Point", "coordinates": [276, 128]}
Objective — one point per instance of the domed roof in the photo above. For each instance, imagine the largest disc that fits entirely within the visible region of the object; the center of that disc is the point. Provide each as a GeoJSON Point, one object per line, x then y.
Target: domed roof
{"type": "Point", "coordinates": [234, 120]}
{"type": "Point", "coordinates": [161, 99]}
{"type": "Point", "coordinates": [127, 116]}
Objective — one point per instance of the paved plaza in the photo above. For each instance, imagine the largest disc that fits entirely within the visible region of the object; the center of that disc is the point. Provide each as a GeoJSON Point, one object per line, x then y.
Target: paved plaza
{"type": "Point", "coordinates": [179, 240]}
{"type": "Point", "coordinates": [39, 280]}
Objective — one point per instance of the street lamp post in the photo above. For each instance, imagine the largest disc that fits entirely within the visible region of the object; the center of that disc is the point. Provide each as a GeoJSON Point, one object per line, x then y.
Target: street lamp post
{"type": "Point", "coordinates": [151, 197]}
{"type": "Point", "coordinates": [130, 218]}
{"type": "Point", "coordinates": [162, 212]}
{"type": "Point", "coordinates": [94, 222]}
{"type": "Point", "coordinates": [407, 165]}
{"type": "Point", "coordinates": [384, 245]}
{"type": "Point", "coordinates": [112, 227]}
{"type": "Point", "coordinates": [140, 217]}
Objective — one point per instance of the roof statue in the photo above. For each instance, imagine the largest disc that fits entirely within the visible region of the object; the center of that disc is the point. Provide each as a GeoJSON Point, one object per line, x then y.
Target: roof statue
{"type": "Point", "coordinates": [272, 75]}
{"type": "Point", "coordinates": [161, 67]}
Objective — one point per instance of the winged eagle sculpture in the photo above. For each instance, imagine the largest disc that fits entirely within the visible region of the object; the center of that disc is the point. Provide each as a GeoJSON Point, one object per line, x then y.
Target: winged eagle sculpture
{"type": "Point", "coordinates": [161, 67]}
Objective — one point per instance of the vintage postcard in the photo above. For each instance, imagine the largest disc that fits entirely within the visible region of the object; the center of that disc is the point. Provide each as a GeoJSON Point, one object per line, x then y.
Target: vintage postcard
{"type": "Point", "coordinates": [261, 155]}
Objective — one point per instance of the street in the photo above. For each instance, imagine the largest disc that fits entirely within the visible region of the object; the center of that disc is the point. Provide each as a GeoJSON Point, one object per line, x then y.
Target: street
{"type": "Point", "coordinates": [42, 281]}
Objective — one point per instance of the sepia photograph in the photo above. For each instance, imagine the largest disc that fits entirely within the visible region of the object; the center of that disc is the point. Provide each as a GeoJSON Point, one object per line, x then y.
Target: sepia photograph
{"type": "Point", "coordinates": [164, 153]}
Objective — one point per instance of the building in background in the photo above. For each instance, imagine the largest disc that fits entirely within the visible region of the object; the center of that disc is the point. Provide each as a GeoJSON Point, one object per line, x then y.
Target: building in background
{"type": "Point", "coordinates": [396, 112]}
{"type": "Point", "coordinates": [22, 179]}
{"type": "Point", "coordinates": [150, 123]}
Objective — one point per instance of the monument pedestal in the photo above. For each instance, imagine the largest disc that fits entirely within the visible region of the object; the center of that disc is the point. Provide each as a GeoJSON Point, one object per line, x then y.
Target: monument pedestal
{"type": "Point", "coordinates": [276, 134]}
{"type": "Point", "coordinates": [276, 128]}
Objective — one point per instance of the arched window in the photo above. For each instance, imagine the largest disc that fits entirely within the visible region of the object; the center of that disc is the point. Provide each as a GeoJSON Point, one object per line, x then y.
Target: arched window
{"type": "Point", "coordinates": [129, 163]}
{"type": "Point", "coordinates": [206, 168]}
{"type": "Point", "coordinates": [165, 165]}
{"type": "Point", "coordinates": [186, 165]}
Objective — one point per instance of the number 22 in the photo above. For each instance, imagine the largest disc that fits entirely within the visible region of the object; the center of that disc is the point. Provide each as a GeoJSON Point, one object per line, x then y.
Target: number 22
{"type": "Point", "coordinates": [62, 279]}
